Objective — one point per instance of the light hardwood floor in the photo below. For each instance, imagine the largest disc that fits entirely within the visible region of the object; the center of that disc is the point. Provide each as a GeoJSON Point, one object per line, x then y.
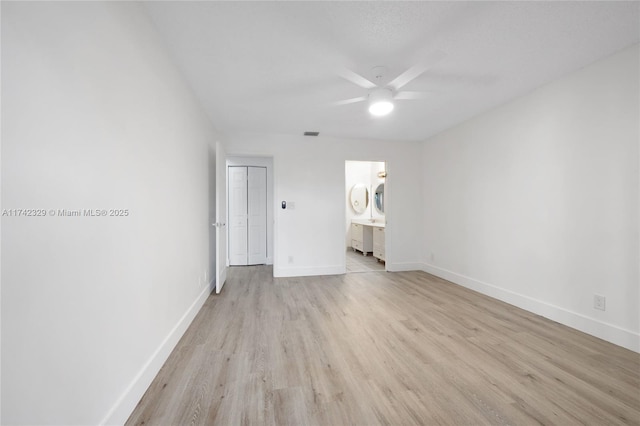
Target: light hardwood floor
{"type": "Point", "coordinates": [356, 262]}
{"type": "Point", "coordinates": [383, 348]}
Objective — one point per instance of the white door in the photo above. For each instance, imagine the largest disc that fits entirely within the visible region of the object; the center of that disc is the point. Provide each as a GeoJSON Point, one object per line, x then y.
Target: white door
{"type": "Point", "coordinates": [221, 217]}
{"type": "Point", "coordinates": [238, 215]}
{"type": "Point", "coordinates": [247, 215]}
{"type": "Point", "coordinates": [257, 220]}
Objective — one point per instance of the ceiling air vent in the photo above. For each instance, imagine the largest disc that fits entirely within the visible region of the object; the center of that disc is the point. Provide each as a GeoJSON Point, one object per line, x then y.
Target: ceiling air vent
{"type": "Point", "coordinates": [311, 133]}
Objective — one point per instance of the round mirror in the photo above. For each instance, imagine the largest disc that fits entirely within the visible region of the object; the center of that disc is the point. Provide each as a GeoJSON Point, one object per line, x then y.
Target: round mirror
{"type": "Point", "coordinates": [378, 198]}
{"type": "Point", "coordinates": [359, 197]}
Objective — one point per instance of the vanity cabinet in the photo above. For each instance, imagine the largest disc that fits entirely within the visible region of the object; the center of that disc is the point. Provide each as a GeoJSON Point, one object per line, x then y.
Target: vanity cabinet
{"type": "Point", "coordinates": [378, 243]}
{"type": "Point", "coordinates": [361, 238]}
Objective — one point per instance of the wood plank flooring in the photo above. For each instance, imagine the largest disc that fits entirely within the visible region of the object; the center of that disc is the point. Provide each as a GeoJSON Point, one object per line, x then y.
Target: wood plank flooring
{"type": "Point", "coordinates": [356, 262]}
{"type": "Point", "coordinates": [383, 349]}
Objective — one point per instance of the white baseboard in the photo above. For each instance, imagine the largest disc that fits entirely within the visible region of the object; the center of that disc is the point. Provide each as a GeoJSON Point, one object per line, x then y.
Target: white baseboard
{"type": "Point", "coordinates": [127, 402]}
{"type": "Point", "coordinates": [605, 331]}
{"type": "Point", "coordinates": [306, 271]}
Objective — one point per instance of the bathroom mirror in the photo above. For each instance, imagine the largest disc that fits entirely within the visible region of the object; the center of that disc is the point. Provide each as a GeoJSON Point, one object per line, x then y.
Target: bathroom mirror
{"type": "Point", "coordinates": [359, 197]}
{"type": "Point", "coordinates": [378, 198]}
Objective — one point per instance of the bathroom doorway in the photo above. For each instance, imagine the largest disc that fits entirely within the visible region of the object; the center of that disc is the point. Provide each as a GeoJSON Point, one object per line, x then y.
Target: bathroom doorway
{"type": "Point", "coordinates": [365, 221]}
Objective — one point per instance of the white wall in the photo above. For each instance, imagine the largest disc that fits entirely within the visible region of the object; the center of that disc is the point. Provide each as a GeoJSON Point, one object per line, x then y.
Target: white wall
{"type": "Point", "coordinates": [536, 202]}
{"type": "Point", "coordinates": [266, 162]}
{"type": "Point", "coordinates": [311, 173]}
{"type": "Point", "coordinates": [95, 116]}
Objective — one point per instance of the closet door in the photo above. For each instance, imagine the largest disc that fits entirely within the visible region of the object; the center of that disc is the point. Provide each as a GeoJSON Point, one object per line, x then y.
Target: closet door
{"type": "Point", "coordinates": [237, 219]}
{"type": "Point", "coordinates": [257, 210]}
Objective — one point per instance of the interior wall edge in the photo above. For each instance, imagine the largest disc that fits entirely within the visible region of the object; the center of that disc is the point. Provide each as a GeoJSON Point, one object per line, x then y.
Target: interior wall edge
{"type": "Point", "coordinates": [129, 399]}
{"type": "Point", "coordinates": [592, 326]}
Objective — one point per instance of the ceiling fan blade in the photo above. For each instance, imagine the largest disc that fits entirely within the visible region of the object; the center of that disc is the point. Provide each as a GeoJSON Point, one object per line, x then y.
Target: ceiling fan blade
{"type": "Point", "coordinates": [349, 101]}
{"type": "Point", "coordinates": [413, 95]}
{"type": "Point", "coordinates": [417, 69]}
{"type": "Point", "coordinates": [356, 78]}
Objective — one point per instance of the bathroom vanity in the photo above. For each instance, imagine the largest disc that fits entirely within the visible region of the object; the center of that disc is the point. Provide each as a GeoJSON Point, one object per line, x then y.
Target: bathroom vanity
{"type": "Point", "coordinates": [378, 243]}
{"type": "Point", "coordinates": [368, 237]}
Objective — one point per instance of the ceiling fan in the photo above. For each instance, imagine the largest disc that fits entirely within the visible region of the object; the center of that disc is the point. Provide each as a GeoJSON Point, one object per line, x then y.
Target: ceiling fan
{"type": "Point", "coordinates": [381, 97]}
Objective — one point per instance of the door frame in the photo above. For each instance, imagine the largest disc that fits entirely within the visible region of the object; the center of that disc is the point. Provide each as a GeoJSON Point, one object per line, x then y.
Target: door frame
{"type": "Point", "coordinates": [387, 208]}
{"type": "Point", "coordinates": [243, 208]}
{"type": "Point", "coordinates": [260, 161]}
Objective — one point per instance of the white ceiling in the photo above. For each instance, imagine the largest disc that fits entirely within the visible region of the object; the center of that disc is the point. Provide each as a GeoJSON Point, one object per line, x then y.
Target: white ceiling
{"type": "Point", "coordinates": [272, 67]}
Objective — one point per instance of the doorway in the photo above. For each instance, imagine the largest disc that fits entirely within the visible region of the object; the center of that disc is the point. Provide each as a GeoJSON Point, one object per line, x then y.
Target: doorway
{"type": "Point", "coordinates": [366, 222]}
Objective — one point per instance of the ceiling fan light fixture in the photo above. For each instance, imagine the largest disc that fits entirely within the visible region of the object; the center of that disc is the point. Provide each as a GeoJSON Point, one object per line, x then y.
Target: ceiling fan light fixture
{"type": "Point", "coordinates": [380, 102]}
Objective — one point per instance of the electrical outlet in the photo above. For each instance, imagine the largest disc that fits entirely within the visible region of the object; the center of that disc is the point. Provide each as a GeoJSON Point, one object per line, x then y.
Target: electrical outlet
{"type": "Point", "coordinates": [290, 259]}
{"type": "Point", "coordinates": [599, 302]}
{"type": "Point", "coordinates": [432, 257]}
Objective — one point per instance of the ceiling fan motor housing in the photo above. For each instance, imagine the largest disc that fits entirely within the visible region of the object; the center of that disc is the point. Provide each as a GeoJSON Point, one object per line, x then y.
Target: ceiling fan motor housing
{"type": "Point", "coordinates": [380, 101]}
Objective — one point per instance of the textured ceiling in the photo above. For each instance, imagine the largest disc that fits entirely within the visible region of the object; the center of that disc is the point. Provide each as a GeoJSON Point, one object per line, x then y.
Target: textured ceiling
{"type": "Point", "coordinates": [273, 67]}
